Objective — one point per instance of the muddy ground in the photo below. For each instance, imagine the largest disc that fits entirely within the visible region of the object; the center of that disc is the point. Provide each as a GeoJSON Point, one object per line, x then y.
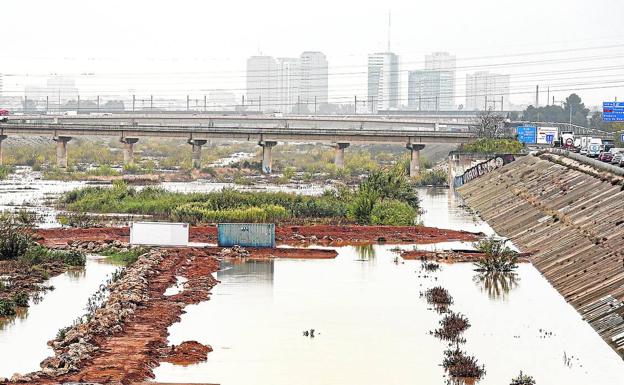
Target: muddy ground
{"type": "Point", "coordinates": [128, 352]}
{"type": "Point", "coordinates": [324, 235]}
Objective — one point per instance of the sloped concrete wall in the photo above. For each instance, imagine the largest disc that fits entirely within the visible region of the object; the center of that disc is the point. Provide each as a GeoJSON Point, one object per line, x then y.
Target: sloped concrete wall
{"type": "Point", "coordinates": [571, 216]}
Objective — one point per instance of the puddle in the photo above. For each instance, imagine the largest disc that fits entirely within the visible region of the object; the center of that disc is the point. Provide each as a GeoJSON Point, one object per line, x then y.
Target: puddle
{"type": "Point", "coordinates": [177, 287]}
{"type": "Point", "coordinates": [23, 340]}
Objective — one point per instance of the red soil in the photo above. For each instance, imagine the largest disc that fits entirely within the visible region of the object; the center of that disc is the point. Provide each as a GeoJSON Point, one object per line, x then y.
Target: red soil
{"type": "Point", "coordinates": [129, 356]}
{"type": "Point", "coordinates": [187, 353]}
{"type": "Point", "coordinates": [286, 235]}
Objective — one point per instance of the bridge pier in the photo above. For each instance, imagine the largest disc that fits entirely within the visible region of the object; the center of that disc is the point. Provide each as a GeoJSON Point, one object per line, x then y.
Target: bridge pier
{"type": "Point", "coordinates": [61, 150]}
{"type": "Point", "coordinates": [2, 138]}
{"type": "Point", "coordinates": [414, 158]}
{"type": "Point", "coordinates": [197, 151]}
{"type": "Point", "coordinates": [128, 149]}
{"type": "Point", "coordinates": [340, 150]}
{"type": "Point", "coordinates": [267, 156]}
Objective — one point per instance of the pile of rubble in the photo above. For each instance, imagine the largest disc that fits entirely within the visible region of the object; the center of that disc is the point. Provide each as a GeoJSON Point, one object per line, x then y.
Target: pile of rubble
{"type": "Point", "coordinates": [127, 293]}
{"type": "Point", "coordinates": [234, 252]}
{"type": "Point", "coordinates": [96, 246]}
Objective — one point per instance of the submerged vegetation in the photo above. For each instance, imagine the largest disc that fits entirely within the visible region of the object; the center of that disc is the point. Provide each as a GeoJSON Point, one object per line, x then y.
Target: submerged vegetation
{"type": "Point", "coordinates": [497, 256]}
{"type": "Point", "coordinates": [461, 367]}
{"type": "Point", "coordinates": [125, 257]}
{"type": "Point", "coordinates": [523, 379]}
{"type": "Point", "coordinates": [386, 197]}
{"type": "Point", "coordinates": [19, 250]}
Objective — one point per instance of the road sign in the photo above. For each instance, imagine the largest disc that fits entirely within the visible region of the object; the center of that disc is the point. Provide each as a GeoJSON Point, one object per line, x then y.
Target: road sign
{"type": "Point", "coordinates": [613, 111]}
{"type": "Point", "coordinates": [547, 135]}
{"type": "Point", "coordinates": [527, 134]}
{"type": "Point", "coordinates": [622, 137]}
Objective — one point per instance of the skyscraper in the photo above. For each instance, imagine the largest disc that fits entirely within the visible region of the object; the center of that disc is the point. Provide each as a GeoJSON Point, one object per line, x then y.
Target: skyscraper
{"type": "Point", "coordinates": [485, 90]}
{"type": "Point", "coordinates": [423, 90]}
{"type": "Point", "coordinates": [314, 74]}
{"type": "Point", "coordinates": [288, 84]}
{"type": "Point", "coordinates": [383, 81]}
{"type": "Point", "coordinates": [262, 83]}
{"type": "Point", "coordinates": [445, 64]}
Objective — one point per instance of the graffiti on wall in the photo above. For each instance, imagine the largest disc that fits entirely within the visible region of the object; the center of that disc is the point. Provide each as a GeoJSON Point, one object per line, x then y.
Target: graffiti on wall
{"type": "Point", "coordinates": [482, 168]}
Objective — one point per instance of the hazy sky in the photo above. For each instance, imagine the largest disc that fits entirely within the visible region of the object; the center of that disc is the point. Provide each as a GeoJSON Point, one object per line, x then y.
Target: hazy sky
{"type": "Point", "coordinates": [194, 46]}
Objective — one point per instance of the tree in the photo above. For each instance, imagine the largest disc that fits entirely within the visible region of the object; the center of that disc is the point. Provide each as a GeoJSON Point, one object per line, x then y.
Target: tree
{"type": "Point", "coordinates": [576, 109]}
{"type": "Point", "coordinates": [491, 125]}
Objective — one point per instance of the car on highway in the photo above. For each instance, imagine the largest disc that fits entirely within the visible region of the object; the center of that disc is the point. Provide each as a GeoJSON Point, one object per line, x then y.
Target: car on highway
{"type": "Point", "coordinates": [4, 115]}
{"type": "Point", "coordinates": [605, 156]}
{"type": "Point", "coordinates": [617, 158]}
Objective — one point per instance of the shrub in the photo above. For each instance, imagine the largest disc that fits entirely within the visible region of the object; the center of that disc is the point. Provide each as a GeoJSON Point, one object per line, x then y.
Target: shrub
{"type": "Point", "coordinates": [494, 146]}
{"type": "Point", "coordinates": [497, 256]}
{"type": "Point", "coordinates": [13, 242]}
{"type": "Point", "coordinates": [72, 258]}
{"type": "Point", "coordinates": [196, 212]}
{"type": "Point", "coordinates": [5, 171]}
{"type": "Point", "coordinates": [21, 299]}
{"type": "Point", "coordinates": [37, 255]}
{"type": "Point", "coordinates": [458, 365]}
{"type": "Point", "coordinates": [523, 379]}
{"type": "Point", "coordinates": [77, 219]}
{"type": "Point", "coordinates": [431, 178]}
{"type": "Point", "coordinates": [362, 205]}
{"type": "Point", "coordinates": [126, 257]}
{"type": "Point", "coordinates": [392, 212]}
{"type": "Point", "coordinates": [7, 307]}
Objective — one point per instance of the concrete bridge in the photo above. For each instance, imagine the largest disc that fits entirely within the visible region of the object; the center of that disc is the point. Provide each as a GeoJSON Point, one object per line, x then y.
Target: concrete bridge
{"type": "Point", "coordinates": [197, 130]}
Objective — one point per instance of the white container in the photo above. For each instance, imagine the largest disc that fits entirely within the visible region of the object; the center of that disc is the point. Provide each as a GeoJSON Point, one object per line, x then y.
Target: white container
{"type": "Point", "coordinates": [159, 234]}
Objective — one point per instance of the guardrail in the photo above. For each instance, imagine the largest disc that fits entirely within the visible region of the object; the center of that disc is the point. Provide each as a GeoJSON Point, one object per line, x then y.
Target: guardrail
{"type": "Point", "coordinates": [588, 161]}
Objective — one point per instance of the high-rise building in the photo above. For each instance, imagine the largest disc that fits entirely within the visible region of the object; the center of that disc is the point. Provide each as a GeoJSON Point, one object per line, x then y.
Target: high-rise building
{"type": "Point", "coordinates": [59, 92]}
{"type": "Point", "coordinates": [262, 83]}
{"type": "Point", "coordinates": [288, 83]}
{"type": "Point", "coordinates": [445, 64]}
{"type": "Point", "coordinates": [423, 90]}
{"type": "Point", "coordinates": [314, 78]}
{"type": "Point", "coordinates": [485, 90]}
{"type": "Point", "coordinates": [383, 81]}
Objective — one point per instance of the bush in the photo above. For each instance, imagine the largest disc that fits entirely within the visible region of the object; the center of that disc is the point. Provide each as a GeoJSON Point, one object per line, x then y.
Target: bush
{"type": "Point", "coordinates": [196, 212]}
{"type": "Point", "coordinates": [37, 255]}
{"type": "Point", "coordinates": [494, 146]}
{"type": "Point", "coordinates": [13, 242]}
{"type": "Point", "coordinates": [497, 256]}
{"type": "Point", "coordinates": [393, 213]}
{"type": "Point", "coordinates": [126, 257]}
{"type": "Point", "coordinates": [362, 205]}
{"type": "Point", "coordinates": [21, 299]}
{"type": "Point", "coordinates": [7, 307]}
{"type": "Point", "coordinates": [523, 379]}
{"type": "Point", "coordinates": [431, 178]}
{"type": "Point", "coordinates": [5, 171]}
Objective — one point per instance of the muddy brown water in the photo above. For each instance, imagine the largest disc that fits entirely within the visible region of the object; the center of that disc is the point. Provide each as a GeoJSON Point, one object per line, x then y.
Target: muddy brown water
{"type": "Point", "coordinates": [371, 325]}
{"type": "Point", "coordinates": [23, 340]}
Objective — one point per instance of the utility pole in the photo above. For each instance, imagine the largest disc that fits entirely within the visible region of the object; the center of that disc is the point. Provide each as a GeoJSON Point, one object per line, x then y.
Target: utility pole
{"type": "Point", "coordinates": [205, 103]}
{"type": "Point", "coordinates": [537, 96]}
{"type": "Point", "coordinates": [355, 105]}
{"type": "Point", "coordinates": [298, 105]}
{"type": "Point", "coordinates": [78, 104]}
{"type": "Point", "coordinates": [133, 101]}
{"type": "Point", "coordinates": [548, 95]}
{"type": "Point", "coordinates": [314, 105]}
{"type": "Point", "coordinates": [187, 102]}
{"type": "Point", "coordinates": [502, 104]}
{"type": "Point", "coordinates": [98, 103]}
{"type": "Point", "coordinates": [47, 104]}
{"type": "Point", "coordinates": [151, 102]}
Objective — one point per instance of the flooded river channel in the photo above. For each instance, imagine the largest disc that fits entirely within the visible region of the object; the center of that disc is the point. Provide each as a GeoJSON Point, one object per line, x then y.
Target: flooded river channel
{"type": "Point", "coordinates": [371, 324]}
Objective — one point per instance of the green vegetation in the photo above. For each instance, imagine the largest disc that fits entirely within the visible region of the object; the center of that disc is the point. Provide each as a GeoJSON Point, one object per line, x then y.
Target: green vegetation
{"type": "Point", "coordinates": [125, 257]}
{"type": "Point", "coordinates": [494, 146]}
{"type": "Point", "coordinates": [392, 212]}
{"type": "Point", "coordinates": [573, 107]}
{"type": "Point", "coordinates": [5, 171]}
{"type": "Point", "coordinates": [431, 178]}
{"type": "Point", "coordinates": [7, 307]}
{"type": "Point", "coordinates": [523, 379]}
{"type": "Point", "coordinates": [497, 256]}
{"type": "Point", "coordinates": [37, 255]}
{"type": "Point", "coordinates": [389, 192]}
{"type": "Point", "coordinates": [201, 212]}
{"type": "Point", "coordinates": [76, 219]}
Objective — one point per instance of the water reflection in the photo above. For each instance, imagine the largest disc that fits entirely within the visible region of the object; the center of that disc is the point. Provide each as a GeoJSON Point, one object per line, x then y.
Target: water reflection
{"type": "Point", "coordinates": [247, 271]}
{"type": "Point", "coordinates": [497, 285]}
{"type": "Point", "coordinates": [365, 252]}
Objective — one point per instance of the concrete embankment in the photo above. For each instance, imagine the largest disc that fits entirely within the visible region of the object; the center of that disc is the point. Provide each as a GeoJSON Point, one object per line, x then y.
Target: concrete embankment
{"type": "Point", "coordinates": [571, 217]}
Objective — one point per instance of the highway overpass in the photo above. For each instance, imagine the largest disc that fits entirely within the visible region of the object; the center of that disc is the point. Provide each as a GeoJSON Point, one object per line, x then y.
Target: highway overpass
{"type": "Point", "coordinates": [266, 131]}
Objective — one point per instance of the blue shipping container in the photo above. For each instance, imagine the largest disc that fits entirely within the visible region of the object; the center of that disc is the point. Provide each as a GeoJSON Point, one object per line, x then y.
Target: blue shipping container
{"type": "Point", "coordinates": [246, 234]}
